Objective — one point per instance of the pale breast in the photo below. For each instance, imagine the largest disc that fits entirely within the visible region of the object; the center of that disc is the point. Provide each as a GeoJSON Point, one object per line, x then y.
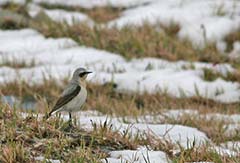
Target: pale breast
{"type": "Point", "coordinates": [78, 101]}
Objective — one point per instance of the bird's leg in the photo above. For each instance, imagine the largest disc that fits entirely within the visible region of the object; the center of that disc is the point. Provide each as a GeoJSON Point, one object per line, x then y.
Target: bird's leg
{"type": "Point", "coordinates": [70, 119]}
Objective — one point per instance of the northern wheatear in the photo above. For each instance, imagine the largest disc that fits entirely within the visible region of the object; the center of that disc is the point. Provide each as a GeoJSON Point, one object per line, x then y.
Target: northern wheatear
{"type": "Point", "coordinates": [74, 95]}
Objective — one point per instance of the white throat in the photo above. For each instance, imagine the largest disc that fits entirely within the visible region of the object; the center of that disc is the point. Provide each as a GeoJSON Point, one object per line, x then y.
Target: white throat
{"type": "Point", "coordinates": [82, 83]}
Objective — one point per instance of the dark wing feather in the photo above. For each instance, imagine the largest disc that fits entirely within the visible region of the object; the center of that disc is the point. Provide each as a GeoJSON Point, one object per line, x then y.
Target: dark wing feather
{"type": "Point", "coordinates": [67, 96]}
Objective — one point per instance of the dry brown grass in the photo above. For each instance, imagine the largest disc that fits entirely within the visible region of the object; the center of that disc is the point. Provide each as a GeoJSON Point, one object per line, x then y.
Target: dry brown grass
{"type": "Point", "coordinates": [132, 42]}
{"type": "Point", "coordinates": [104, 14]}
{"type": "Point", "coordinates": [231, 38]}
{"type": "Point", "coordinates": [14, 152]}
{"type": "Point", "coordinates": [210, 75]}
{"type": "Point", "coordinates": [98, 14]}
{"type": "Point", "coordinates": [203, 153]}
{"type": "Point", "coordinates": [22, 139]}
{"type": "Point", "coordinates": [16, 64]}
{"type": "Point", "coordinates": [106, 99]}
{"type": "Point", "coordinates": [11, 6]}
{"type": "Point", "coordinates": [25, 138]}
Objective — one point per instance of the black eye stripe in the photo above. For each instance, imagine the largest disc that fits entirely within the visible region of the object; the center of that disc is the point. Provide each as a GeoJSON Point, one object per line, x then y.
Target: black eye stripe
{"type": "Point", "coordinates": [82, 74]}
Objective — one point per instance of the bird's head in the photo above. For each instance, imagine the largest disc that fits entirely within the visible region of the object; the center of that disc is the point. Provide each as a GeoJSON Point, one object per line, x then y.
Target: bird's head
{"type": "Point", "coordinates": [80, 74]}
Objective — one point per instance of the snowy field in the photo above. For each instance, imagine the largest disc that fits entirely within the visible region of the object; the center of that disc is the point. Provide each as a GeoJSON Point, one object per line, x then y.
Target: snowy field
{"type": "Point", "coordinates": [58, 57]}
{"type": "Point", "coordinates": [202, 22]}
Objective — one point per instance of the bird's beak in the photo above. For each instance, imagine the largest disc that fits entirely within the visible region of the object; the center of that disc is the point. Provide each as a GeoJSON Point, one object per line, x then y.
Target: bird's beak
{"type": "Point", "coordinates": [88, 72]}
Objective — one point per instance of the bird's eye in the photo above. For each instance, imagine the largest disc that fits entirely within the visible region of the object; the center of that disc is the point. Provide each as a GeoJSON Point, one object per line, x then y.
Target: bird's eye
{"type": "Point", "coordinates": [81, 75]}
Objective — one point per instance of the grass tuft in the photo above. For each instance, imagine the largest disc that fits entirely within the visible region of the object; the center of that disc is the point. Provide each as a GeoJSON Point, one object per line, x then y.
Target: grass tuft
{"type": "Point", "coordinates": [98, 14]}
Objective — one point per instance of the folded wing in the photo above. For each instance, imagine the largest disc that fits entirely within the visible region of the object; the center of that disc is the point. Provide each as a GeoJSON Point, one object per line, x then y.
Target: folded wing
{"type": "Point", "coordinates": [69, 93]}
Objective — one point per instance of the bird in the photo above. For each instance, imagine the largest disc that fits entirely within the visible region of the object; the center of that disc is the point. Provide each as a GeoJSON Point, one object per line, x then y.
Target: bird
{"type": "Point", "coordinates": [73, 96]}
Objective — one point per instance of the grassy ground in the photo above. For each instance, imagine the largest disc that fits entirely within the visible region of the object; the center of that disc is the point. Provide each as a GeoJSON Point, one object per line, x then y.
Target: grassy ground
{"type": "Point", "coordinates": [108, 101]}
{"type": "Point", "coordinates": [22, 139]}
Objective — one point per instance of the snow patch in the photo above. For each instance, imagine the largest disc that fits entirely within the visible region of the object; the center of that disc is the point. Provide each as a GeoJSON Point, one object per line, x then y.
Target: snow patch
{"type": "Point", "coordinates": [68, 17]}
{"type": "Point", "coordinates": [201, 22]}
{"type": "Point", "coordinates": [224, 152]}
{"type": "Point", "coordinates": [57, 58]}
{"type": "Point", "coordinates": [28, 41]}
{"type": "Point", "coordinates": [136, 156]}
{"type": "Point", "coordinates": [232, 145]}
{"type": "Point", "coordinates": [177, 134]}
{"type": "Point", "coordinates": [235, 54]}
{"type": "Point", "coordinates": [60, 15]}
{"type": "Point", "coordinates": [41, 158]}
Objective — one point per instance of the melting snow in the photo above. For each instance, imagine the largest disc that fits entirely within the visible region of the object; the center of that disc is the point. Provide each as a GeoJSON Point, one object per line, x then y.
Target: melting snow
{"type": "Point", "coordinates": [235, 54]}
{"type": "Point", "coordinates": [137, 156]}
{"type": "Point", "coordinates": [232, 145]}
{"type": "Point", "coordinates": [224, 152]}
{"type": "Point", "coordinates": [67, 16]}
{"type": "Point", "coordinates": [60, 15]}
{"type": "Point", "coordinates": [200, 21]}
{"type": "Point", "coordinates": [41, 158]}
{"type": "Point", "coordinates": [57, 58]}
{"type": "Point", "coordinates": [177, 134]}
{"type": "Point", "coordinates": [28, 41]}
